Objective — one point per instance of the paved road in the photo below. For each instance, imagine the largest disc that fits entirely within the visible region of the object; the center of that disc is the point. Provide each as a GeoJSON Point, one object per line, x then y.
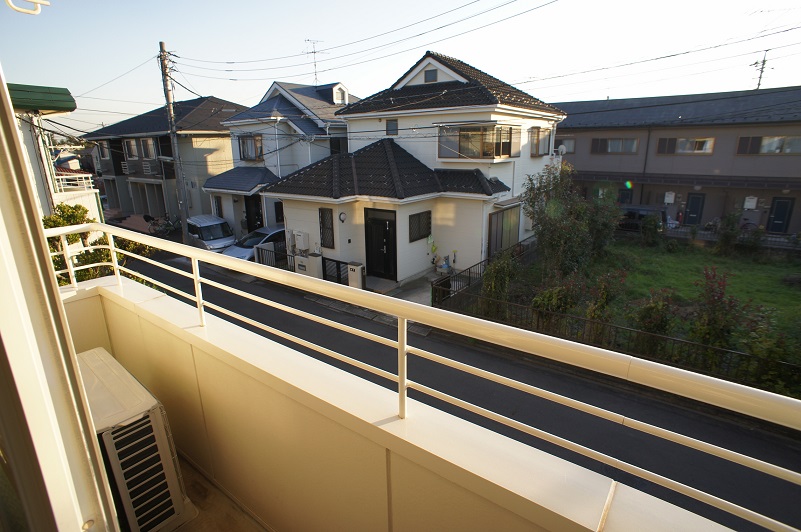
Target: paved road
{"type": "Point", "coordinates": [775, 498]}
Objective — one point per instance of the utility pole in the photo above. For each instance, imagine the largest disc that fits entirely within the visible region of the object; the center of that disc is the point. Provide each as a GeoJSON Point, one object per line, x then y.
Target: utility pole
{"type": "Point", "coordinates": [179, 171]}
{"type": "Point", "coordinates": [761, 66]}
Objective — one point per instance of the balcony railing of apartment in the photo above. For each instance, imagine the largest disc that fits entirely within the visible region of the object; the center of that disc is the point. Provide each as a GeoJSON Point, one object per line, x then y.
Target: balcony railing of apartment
{"type": "Point", "coordinates": [758, 404]}
{"type": "Point", "coordinates": [66, 182]}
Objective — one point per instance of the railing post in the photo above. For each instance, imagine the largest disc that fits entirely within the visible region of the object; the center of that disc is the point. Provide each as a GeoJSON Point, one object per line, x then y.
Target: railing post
{"type": "Point", "coordinates": [65, 248]}
{"type": "Point", "coordinates": [112, 248]}
{"type": "Point", "coordinates": [402, 331]}
{"type": "Point", "coordinates": [198, 291]}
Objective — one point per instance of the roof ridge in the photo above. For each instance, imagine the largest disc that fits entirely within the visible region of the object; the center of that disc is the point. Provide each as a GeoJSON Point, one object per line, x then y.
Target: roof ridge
{"type": "Point", "coordinates": [393, 167]}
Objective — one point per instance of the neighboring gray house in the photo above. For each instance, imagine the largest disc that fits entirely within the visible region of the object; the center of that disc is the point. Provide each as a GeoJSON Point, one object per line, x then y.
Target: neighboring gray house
{"type": "Point", "coordinates": [134, 157]}
{"type": "Point", "coordinates": [702, 156]}
{"type": "Point", "coordinates": [291, 127]}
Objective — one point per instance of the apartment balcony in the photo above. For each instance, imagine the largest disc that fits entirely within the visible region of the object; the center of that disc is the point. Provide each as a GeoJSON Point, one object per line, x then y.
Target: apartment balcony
{"type": "Point", "coordinates": [300, 444]}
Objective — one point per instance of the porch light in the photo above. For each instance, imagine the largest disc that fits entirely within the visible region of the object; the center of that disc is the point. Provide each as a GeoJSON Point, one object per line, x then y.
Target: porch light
{"type": "Point", "coordinates": [342, 217]}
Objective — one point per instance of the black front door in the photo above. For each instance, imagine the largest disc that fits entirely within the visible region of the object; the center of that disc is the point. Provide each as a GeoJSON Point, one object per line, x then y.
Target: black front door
{"type": "Point", "coordinates": [780, 211]}
{"type": "Point", "coordinates": [380, 243]}
{"type": "Point", "coordinates": [253, 212]}
{"type": "Point", "coordinates": [695, 208]}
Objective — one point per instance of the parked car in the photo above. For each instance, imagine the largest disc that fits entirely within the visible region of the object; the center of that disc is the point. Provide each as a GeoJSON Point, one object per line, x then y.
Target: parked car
{"type": "Point", "coordinates": [210, 232]}
{"type": "Point", "coordinates": [632, 216]}
{"type": "Point", "coordinates": [244, 247]}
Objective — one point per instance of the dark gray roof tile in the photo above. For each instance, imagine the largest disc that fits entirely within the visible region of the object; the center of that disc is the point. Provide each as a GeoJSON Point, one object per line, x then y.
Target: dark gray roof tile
{"type": "Point", "coordinates": [245, 179]}
{"type": "Point", "coordinates": [719, 108]}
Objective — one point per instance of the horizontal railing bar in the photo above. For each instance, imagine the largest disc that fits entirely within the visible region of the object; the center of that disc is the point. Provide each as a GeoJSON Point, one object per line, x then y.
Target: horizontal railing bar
{"type": "Point", "coordinates": [660, 480]}
{"type": "Point", "coordinates": [708, 448]}
{"type": "Point", "coordinates": [156, 263]}
{"type": "Point", "coordinates": [137, 275]}
{"type": "Point", "coordinates": [303, 314]}
{"type": "Point", "coordinates": [305, 343]}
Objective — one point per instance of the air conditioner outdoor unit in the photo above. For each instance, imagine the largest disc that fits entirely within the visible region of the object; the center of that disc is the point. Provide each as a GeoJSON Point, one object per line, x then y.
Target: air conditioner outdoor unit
{"type": "Point", "coordinates": [301, 240]}
{"type": "Point", "coordinates": [137, 447]}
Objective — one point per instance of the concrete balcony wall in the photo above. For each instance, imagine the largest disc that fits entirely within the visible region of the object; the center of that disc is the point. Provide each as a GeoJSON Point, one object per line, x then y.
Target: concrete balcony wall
{"type": "Point", "coordinates": [304, 446]}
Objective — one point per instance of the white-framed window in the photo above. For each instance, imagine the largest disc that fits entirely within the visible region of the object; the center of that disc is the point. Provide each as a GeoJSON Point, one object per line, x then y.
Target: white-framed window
{"type": "Point", "coordinates": [103, 148]}
{"type": "Point", "coordinates": [250, 148]}
{"type": "Point", "coordinates": [539, 140]}
{"type": "Point", "coordinates": [568, 143]}
{"type": "Point", "coordinates": [479, 142]}
{"type": "Point", "coordinates": [340, 96]}
{"type": "Point", "coordinates": [685, 146]}
{"type": "Point", "coordinates": [430, 76]}
{"type": "Point", "coordinates": [217, 204]}
{"type": "Point", "coordinates": [392, 126]}
{"type": "Point", "coordinates": [769, 145]}
{"type": "Point", "coordinates": [614, 145]}
{"type": "Point", "coordinates": [148, 149]}
{"type": "Point", "coordinates": [131, 149]}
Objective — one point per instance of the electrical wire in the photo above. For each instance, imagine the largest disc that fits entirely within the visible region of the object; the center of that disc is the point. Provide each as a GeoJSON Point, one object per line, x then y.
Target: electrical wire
{"type": "Point", "coordinates": [118, 77]}
{"type": "Point", "coordinates": [334, 47]}
{"type": "Point", "coordinates": [381, 57]}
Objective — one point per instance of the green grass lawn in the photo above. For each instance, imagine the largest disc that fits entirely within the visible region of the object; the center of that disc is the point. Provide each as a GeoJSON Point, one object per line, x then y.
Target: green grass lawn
{"type": "Point", "coordinates": [758, 279]}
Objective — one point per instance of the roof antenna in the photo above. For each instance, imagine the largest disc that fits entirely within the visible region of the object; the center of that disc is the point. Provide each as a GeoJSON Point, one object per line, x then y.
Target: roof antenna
{"type": "Point", "coordinates": [314, 53]}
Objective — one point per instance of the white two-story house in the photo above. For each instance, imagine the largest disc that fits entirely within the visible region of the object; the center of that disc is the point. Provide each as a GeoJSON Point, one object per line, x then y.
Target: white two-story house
{"type": "Point", "coordinates": [291, 127]}
{"type": "Point", "coordinates": [438, 162]}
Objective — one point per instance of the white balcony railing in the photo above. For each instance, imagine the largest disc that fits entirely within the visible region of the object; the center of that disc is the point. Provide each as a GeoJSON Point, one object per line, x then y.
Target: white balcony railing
{"type": "Point", "coordinates": [752, 402]}
{"type": "Point", "coordinates": [73, 181]}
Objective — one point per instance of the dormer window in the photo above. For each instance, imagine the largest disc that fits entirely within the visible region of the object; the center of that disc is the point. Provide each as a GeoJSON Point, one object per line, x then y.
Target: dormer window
{"type": "Point", "coordinates": [430, 76]}
{"type": "Point", "coordinates": [340, 96]}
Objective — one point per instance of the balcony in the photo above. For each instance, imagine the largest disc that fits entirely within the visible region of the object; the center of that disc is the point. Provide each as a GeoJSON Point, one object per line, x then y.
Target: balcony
{"type": "Point", "coordinates": [301, 444]}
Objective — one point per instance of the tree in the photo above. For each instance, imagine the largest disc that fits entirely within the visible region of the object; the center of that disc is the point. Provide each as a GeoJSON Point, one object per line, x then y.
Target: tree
{"type": "Point", "coordinates": [570, 230]}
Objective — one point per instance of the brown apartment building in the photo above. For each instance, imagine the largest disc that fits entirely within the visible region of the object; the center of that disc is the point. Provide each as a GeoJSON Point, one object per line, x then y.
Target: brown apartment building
{"type": "Point", "coordinates": [700, 156]}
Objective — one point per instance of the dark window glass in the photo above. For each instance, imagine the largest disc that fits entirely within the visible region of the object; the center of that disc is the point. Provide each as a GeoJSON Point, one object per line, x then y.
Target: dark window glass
{"type": "Point", "coordinates": [430, 76]}
{"type": "Point", "coordinates": [327, 228]}
{"type": "Point", "coordinates": [392, 126]}
{"type": "Point", "coordinates": [419, 226]}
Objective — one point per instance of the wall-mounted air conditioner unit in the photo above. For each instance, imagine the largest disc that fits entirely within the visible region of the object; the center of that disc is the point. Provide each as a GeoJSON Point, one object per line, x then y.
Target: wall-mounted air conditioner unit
{"type": "Point", "coordinates": [138, 451]}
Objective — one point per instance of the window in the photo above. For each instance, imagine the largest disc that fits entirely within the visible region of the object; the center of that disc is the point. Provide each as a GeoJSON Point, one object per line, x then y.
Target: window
{"type": "Point", "coordinates": [279, 212]}
{"type": "Point", "coordinates": [684, 146]}
{"type": "Point", "coordinates": [148, 149]}
{"type": "Point", "coordinates": [102, 147]}
{"type": "Point", "coordinates": [250, 148]}
{"type": "Point", "coordinates": [569, 144]}
{"type": "Point", "coordinates": [419, 226]}
{"type": "Point", "coordinates": [338, 145]}
{"type": "Point", "coordinates": [392, 126]}
{"type": "Point", "coordinates": [475, 142]}
{"type": "Point", "coordinates": [613, 146]}
{"type": "Point", "coordinates": [539, 141]}
{"type": "Point", "coordinates": [430, 76]}
{"type": "Point", "coordinates": [327, 228]}
{"type": "Point", "coordinates": [340, 96]}
{"type": "Point", "coordinates": [218, 208]}
{"type": "Point", "coordinates": [131, 152]}
{"type": "Point", "coordinates": [768, 145]}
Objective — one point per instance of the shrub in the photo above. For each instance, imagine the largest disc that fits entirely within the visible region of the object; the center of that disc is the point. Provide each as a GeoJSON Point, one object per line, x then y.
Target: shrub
{"type": "Point", "coordinates": [650, 230]}
{"type": "Point", "coordinates": [718, 315]}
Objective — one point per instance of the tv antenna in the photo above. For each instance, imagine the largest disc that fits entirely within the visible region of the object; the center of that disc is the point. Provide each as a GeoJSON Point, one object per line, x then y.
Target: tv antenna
{"type": "Point", "coordinates": [314, 53]}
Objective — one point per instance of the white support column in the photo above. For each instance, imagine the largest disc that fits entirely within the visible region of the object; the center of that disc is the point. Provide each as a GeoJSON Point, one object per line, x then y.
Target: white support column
{"type": "Point", "coordinates": [402, 366]}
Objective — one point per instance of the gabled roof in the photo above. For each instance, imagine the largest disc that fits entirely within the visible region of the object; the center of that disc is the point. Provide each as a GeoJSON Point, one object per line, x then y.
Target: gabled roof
{"type": "Point", "coordinates": [242, 179]}
{"type": "Point", "coordinates": [279, 107]}
{"type": "Point", "coordinates": [200, 114]}
{"type": "Point", "coordinates": [317, 99]}
{"type": "Point", "coordinates": [45, 100]}
{"type": "Point", "coordinates": [479, 89]}
{"type": "Point", "coordinates": [719, 108]}
{"type": "Point", "coordinates": [381, 169]}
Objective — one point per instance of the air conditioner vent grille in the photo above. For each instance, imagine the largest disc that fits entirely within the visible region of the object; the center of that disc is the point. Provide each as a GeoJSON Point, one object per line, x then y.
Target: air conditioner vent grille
{"type": "Point", "coordinates": [138, 455]}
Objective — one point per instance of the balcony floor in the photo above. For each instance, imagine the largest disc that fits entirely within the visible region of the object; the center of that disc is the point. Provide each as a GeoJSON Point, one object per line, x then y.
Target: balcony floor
{"type": "Point", "coordinates": [215, 510]}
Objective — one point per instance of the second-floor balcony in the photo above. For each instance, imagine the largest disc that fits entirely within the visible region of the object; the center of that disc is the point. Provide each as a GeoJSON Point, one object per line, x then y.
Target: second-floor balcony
{"type": "Point", "coordinates": [305, 436]}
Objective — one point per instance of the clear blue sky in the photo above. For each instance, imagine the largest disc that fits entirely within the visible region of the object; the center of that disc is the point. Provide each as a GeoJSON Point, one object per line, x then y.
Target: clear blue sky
{"type": "Point", "coordinates": [542, 47]}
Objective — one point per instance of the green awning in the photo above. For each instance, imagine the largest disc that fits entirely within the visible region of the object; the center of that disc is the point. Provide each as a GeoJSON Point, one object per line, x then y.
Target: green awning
{"type": "Point", "coordinates": [42, 99]}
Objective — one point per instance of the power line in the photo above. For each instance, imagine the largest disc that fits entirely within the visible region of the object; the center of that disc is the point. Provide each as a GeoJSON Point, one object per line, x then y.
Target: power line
{"type": "Point", "coordinates": [334, 47]}
{"type": "Point", "coordinates": [384, 56]}
{"type": "Point", "coordinates": [118, 77]}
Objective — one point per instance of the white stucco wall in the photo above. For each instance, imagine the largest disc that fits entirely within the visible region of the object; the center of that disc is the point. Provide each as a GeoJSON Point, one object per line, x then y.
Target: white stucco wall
{"type": "Point", "coordinates": [202, 157]}
{"type": "Point", "coordinates": [418, 134]}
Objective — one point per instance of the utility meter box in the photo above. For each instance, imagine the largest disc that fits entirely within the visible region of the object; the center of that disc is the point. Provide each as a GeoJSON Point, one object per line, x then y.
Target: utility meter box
{"type": "Point", "coordinates": [311, 265]}
{"type": "Point", "coordinates": [301, 240]}
{"type": "Point", "coordinates": [356, 275]}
